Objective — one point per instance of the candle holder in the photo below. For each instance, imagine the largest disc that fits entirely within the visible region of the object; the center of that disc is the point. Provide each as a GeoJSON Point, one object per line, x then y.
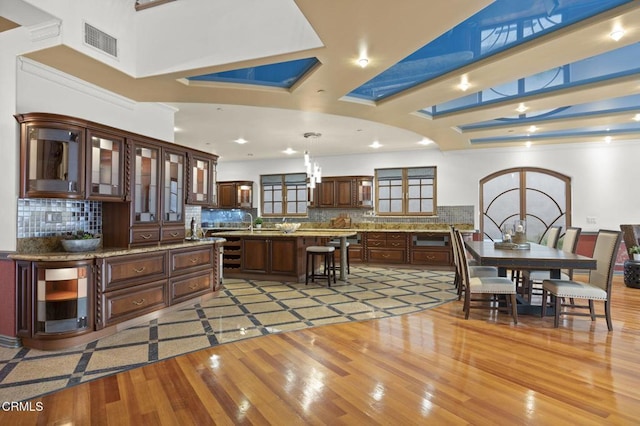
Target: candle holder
{"type": "Point", "coordinates": [520, 231]}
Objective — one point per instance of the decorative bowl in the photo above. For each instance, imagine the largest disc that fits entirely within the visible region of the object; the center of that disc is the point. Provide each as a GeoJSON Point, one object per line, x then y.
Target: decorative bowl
{"type": "Point", "coordinates": [288, 228]}
{"type": "Point", "coordinates": [87, 244]}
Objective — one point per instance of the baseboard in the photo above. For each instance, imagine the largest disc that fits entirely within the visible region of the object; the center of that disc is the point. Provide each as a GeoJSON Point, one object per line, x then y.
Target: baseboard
{"type": "Point", "coordinates": [10, 342]}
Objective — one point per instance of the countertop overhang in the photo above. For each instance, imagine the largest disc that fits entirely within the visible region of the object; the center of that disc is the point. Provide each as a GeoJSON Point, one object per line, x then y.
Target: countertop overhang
{"type": "Point", "coordinates": [110, 252]}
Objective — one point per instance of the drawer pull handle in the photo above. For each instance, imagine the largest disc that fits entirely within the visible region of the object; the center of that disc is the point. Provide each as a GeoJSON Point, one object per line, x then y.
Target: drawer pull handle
{"type": "Point", "coordinates": [194, 260]}
{"type": "Point", "coordinates": [140, 270]}
{"type": "Point", "coordinates": [385, 256]}
{"type": "Point", "coordinates": [175, 234]}
{"type": "Point", "coordinates": [138, 302]}
{"type": "Point", "coordinates": [194, 286]}
{"type": "Point", "coordinates": [145, 236]}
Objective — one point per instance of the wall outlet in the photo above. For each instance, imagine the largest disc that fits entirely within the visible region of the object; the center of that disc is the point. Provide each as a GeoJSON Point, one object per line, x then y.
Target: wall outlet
{"type": "Point", "coordinates": [591, 220]}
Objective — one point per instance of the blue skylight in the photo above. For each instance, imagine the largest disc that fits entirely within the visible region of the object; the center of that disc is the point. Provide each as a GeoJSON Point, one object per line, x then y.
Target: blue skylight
{"type": "Point", "coordinates": [282, 74]}
{"type": "Point", "coordinates": [502, 25]}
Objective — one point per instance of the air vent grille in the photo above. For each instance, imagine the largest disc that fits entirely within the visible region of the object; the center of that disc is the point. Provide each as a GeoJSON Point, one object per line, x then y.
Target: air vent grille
{"type": "Point", "coordinates": [100, 40]}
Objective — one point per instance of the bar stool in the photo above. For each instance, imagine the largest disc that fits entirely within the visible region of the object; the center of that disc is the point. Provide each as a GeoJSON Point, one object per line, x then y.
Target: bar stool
{"type": "Point", "coordinates": [336, 245]}
{"type": "Point", "coordinates": [329, 264]}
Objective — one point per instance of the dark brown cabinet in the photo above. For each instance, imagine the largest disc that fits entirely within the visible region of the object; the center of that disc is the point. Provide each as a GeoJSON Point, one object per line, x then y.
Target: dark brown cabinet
{"type": "Point", "coordinates": [52, 157]}
{"type": "Point", "coordinates": [173, 195]}
{"type": "Point", "coordinates": [201, 179]}
{"type": "Point", "coordinates": [270, 256]}
{"type": "Point", "coordinates": [386, 247]}
{"type": "Point", "coordinates": [105, 166]}
{"type": "Point", "coordinates": [54, 301]}
{"type": "Point", "coordinates": [344, 192]}
{"type": "Point", "coordinates": [235, 195]}
{"type": "Point", "coordinates": [430, 248]}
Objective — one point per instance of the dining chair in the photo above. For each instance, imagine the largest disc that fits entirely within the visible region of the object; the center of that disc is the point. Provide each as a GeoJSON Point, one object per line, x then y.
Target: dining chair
{"type": "Point", "coordinates": [552, 236]}
{"type": "Point", "coordinates": [533, 279]}
{"type": "Point", "coordinates": [474, 270]}
{"type": "Point", "coordinates": [597, 287]}
{"type": "Point", "coordinates": [492, 286]}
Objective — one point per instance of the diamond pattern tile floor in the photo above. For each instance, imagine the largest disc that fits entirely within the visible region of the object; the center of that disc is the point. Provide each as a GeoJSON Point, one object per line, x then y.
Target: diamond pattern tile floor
{"type": "Point", "coordinates": [244, 309]}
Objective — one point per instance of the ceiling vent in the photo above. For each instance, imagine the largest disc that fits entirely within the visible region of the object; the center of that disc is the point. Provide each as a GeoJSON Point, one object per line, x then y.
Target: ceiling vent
{"type": "Point", "coordinates": [100, 40]}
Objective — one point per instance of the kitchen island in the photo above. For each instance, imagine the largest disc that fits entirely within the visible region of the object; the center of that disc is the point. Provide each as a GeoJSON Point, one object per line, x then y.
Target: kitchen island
{"type": "Point", "coordinates": [270, 254]}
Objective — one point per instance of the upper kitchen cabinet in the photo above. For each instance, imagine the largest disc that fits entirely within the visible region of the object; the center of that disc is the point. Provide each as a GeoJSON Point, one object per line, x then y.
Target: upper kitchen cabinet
{"type": "Point", "coordinates": [51, 156]}
{"type": "Point", "coordinates": [201, 179]}
{"type": "Point", "coordinates": [145, 182]}
{"type": "Point", "coordinates": [105, 166]}
{"type": "Point", "coordinates": [173, 195]}
{"type": "Point", "coordinates": [235, 194]}
{"type": "Point", "coordinates": [344, 192]}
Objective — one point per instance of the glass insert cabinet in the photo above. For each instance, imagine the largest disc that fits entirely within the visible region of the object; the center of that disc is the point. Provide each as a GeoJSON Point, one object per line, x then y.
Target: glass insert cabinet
{"type": "Point", "coordinates": [105, 165]}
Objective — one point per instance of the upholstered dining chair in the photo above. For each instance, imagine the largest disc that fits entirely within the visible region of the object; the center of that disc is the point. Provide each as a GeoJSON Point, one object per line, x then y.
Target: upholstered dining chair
{"type": "Point", "coordinates": [474, 270]}
{"type": "Point", "coordinates": [492, 286]}
{"type": "Point", "coordinates": [597, 287]}
{"type": "Point", "coordinates": [533, 279]}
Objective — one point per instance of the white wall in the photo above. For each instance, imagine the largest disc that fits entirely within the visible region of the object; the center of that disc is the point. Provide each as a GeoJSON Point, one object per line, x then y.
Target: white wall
{"type": "Point", "coordinates": [600, 173]}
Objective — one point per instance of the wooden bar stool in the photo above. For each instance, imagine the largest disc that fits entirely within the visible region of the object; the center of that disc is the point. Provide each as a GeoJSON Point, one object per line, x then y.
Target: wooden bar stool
{"type": "Point", "coordinates": [336, 245]}
{"type": "Point", "coordinates": [329, 264]}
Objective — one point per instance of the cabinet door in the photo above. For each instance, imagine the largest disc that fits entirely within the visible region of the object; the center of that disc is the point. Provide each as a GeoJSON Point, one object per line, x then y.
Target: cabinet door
{"type": "Point", "coordinates": [365, 192]}
{"type": "Point", "coordinates": [227, 195]}
{"type": "Point", "coordinates": [173, 187]}
{"type": "Point", "coordinates": [255, 255]}
{"type": "Point", "coordinates": [52, 159]}
{"type": "Point", "coordinates": [344, 196]}
{"type": "Point", "coordinates": [244, 195]}
{"type": "Point", "coordinates": [201, 179]}
{"type": "Point", "coordinates": [146, 183]}
{"type": "Point", "coordinates": [105, 166]}
{"type": "Point", "coordinates": [326, 193]}
{"type": "Point", "coordinates": [283, 256]}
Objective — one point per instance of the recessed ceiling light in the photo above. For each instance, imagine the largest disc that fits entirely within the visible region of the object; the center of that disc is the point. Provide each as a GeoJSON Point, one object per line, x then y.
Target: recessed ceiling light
{"type": "Point", "coordinates": [375, 145]}
{"type": "Point", "coordinates": [532, 129]}
{"type": "Point", "coordinates": [464, 83]}
{"type": "Point", "coordinates": [617, 33]}
{"type": "Point", "coordinates": [522, 108]}
{"type": "Point", "coordinates": [241, 141]}
{"type": "Point", "coordinates": [289, 151]}
{"type": "Point", "coordinates": [636, 117]}
{"type": "Point", "coordinates": [528, 144]}
{"type": "Point", "coordinates": [607, 139]}
{"type": "Point", "coordinates": [425, 141]}
{"type": "Point", "coordinates": [363, 62]}
{"type": "Point", "coordinates": [177, 129]}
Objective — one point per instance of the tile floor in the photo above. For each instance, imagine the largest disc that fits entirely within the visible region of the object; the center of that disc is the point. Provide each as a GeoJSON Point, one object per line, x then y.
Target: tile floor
{"type": "Point", "coordinates": [244, 309]}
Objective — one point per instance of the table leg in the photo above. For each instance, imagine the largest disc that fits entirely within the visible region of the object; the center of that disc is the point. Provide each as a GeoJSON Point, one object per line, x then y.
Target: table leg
{"type": "Point", "coordinates": [343, 258]}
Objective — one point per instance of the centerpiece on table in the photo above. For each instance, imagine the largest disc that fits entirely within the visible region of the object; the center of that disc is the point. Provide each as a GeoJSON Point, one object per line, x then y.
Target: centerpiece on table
{"type": "Point", "coordinates": [80, 241]}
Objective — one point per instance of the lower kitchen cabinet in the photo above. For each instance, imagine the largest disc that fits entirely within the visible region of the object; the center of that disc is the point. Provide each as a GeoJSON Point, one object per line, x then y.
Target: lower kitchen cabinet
{"type": "Point", "coordinates": [430, 249]}
{"type": "Point", "coordinates": [63, 303]}
{"type": "Point", "coordinates": [386, 247]}
{"type": "Point", "coordinates": [270, 256]}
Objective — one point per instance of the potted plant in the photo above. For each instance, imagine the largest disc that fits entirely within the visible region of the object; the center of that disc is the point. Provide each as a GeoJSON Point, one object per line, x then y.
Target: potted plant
{"type": "Point", "coordinates": [258, 222]}
{"type": "Point", "coordinates": [634, 252]}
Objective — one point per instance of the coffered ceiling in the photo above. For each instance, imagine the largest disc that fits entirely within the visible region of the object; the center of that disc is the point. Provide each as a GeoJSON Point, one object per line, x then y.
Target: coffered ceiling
{"type": "Point", "coordinates": [538, 72]}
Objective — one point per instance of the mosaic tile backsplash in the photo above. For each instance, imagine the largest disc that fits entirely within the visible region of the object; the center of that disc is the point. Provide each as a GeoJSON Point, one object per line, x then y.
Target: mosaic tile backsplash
{"type": "Point", "coordinates": [51, 217]}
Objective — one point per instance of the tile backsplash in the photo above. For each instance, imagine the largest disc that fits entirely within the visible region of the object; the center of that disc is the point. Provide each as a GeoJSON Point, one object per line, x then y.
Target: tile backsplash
{"type": "Point", "coordinates": [46, 217]}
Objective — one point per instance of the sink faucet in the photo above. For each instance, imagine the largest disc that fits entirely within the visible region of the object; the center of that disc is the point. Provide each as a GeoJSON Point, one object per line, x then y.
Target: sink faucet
{"type": "Point", "coordinates": [251, 222]}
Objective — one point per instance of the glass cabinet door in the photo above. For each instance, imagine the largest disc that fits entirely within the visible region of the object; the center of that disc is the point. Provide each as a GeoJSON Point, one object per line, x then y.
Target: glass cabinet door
{"type": "Point", "coordinates": [365, 192]}
{"type": "Point", "coordinates": [105, 166]}
{"type": "Point", "coordinates": [54, 166]}
{"type": "Point", "coordinates": [173, 187]}
{"type": "Point", "coordinates": [146, 178]}
{"type": "Point", "coordinates": [201, 179]}
{"type": "Point", "coordinates": [245, 195]}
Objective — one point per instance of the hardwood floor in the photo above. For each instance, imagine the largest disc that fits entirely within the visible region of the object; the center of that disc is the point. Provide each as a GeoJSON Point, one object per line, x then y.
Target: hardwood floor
{"type": "Point", "coordinates": [431, 367]}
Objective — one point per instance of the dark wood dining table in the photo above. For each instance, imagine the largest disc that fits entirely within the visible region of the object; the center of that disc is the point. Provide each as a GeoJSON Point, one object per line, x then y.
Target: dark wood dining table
{"type": "Point", "coordinates": [538, 257]}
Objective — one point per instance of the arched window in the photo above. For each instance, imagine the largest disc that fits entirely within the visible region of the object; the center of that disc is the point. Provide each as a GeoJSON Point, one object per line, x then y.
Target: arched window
{"type": "Point", "coordinates": [542, 197]}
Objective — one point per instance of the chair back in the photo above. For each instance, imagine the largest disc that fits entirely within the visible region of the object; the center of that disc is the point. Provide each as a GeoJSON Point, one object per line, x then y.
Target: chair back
{"type": "Point", "coordinates": [570, 241]}
{"type": "Point", "coordinates": [605, 253]}
{"type": "Point", "coordinates": [553, 235]}
{"type": "Point", "coordinates": [463, 264]}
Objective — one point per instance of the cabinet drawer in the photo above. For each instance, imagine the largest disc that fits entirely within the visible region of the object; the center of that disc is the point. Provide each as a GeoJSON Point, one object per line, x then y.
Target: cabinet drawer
{"type": "Point", "coordinates": [131, 302]}
{"type": "Point", "coordinates": [121, 271]}
{"type": "Point", "coordinates": [396, 237]}
{"type": "Point", "coordinates": [191, 259]}
{"type": "Point", "coordinates": [145, 236]}
{"type": "Point", "coordinates": [432, 257]}
{"type": "Point", "coordinates": [173, 234]}
{"type": "Point", "coordinates": [377, 236]}
{"type": "Point", "coordinates": [386, 255]}
{"type": "Point", "coordinates": [188, 286]}
{"type": "Point", "coordinates": [396, 244]}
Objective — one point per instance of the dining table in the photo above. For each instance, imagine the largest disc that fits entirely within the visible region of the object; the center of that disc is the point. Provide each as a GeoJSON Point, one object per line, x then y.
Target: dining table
{"type": "Point", "coordinates": [536, 257]}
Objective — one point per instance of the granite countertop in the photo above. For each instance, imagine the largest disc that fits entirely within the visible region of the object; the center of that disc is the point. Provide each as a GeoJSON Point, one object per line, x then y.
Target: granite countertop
{"type": "Point", "coordinates": [274, 233]}
{"type": "Point", "coordinates": [109, 252]}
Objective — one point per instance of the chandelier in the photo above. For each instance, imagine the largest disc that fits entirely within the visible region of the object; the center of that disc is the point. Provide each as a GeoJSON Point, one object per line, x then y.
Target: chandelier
{"type": "Point", "coordinates": [314, 171]}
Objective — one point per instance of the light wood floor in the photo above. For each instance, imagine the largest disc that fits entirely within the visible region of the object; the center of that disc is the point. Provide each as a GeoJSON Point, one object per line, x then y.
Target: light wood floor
{"type": "Point", "coordinates": [427, 368]}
